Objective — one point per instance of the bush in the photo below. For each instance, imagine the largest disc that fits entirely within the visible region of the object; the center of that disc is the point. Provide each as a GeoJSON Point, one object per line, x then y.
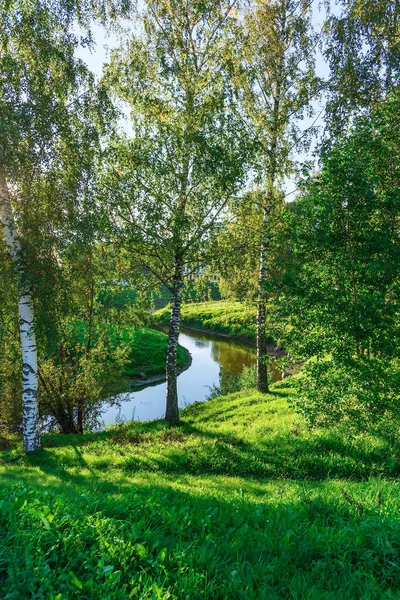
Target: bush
{"type": "Point", "coordinates": [358, 391]}
{"type": "Point", "coordinates": [72, 386]}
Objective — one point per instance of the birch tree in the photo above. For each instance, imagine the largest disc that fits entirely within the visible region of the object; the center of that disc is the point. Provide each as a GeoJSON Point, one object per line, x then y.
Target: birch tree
{"type": "Point", "coordinates": [171, 181]}
{"type": "Point", "coordinates": [276, 81]}
{"type": "Point", "coordinates": [46, 140]}
{"type": "Point", "coordinates": [26, 325]}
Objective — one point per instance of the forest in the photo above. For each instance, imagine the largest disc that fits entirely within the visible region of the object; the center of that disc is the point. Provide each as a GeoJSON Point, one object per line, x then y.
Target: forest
{"type": "Point", "coordinates": [199, 299]}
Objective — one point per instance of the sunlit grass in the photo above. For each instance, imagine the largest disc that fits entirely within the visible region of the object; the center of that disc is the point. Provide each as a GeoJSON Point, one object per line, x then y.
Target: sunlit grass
{"type": "Point", "coordinates": [232, 318]}
{"type": "Point", "coordinates": [240, 501]}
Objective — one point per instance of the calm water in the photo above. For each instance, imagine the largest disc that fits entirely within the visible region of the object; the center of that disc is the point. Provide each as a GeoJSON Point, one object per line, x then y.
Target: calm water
{"type": "Point", "coordinates": [209, 353]}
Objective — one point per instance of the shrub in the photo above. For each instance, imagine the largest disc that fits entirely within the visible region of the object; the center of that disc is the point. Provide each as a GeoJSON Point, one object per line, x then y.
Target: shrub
{"type": "Point", "coordinates": [72, 386]}
{"type": "Point", "coordinates": [359, 391]}
{"type": "Point", "coordinates": [229, 383]}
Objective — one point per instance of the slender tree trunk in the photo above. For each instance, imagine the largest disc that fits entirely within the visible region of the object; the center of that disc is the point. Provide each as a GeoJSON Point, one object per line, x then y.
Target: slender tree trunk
{"type": "Point", "coordinates": [172, 411]}
{"type": "Point", "coordinates": [79, 417]}
{"type": "Point", "coordinates": [262, 367]}
{"type": "Point", "coordinates": [30, 410]}
{"type": "Point", "coordinates": [89, 312]}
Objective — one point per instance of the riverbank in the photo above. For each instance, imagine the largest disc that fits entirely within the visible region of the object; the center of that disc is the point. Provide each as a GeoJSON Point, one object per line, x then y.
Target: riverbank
{"type": "Point", "coordinates": [139, 383]}
{"type": "Point", "coordinates": [232, 319]}
{"type": "Point", "coordinates": [240, 501]}
{"type": "Point", "coordinates": [215, 360]}
{"type": "Point", "coordinates": [147, 349]}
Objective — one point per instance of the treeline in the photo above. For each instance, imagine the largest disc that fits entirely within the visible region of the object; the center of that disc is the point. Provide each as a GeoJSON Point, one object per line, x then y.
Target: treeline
{"type": "Point", "coordinates": [218, 95]}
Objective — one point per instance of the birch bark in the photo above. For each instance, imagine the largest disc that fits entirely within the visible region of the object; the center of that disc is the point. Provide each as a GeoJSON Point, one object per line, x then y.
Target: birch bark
{"type": "Point", "coordinates": [261, 337]}
{"type": "Point", "coordinates": [172, 410]}
{"type": "Point", "coordinates": [30, 410]}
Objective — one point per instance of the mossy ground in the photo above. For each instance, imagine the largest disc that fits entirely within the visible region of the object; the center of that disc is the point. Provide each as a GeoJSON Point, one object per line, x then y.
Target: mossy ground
{"type": "Point", "coordinates": [239, 501]}
{"type": "Point", "coordinates": [231, 318]}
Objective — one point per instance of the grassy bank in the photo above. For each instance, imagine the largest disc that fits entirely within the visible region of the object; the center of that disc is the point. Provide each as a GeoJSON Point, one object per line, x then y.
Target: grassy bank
{"type": "Point", "coordinates": [231, 318]}
{"type": "Point", "coordinates": [240, 501]}
{"type": "Point", "coordinates": [147, 347]}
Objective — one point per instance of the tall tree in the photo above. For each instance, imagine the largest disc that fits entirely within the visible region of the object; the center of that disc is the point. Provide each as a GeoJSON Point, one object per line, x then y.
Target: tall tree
{"type": "Point", "coordinates": [171, 182]}
{"type": "Point", "coordinates": [236, 251]}
{"type": "Point", "coordinates": [45, 97]}
{"type": "Point", "coordinates": [277, 83]}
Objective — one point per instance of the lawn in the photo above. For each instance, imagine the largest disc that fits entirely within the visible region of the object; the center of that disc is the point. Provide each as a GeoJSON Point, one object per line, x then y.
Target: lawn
{"type": "Point", "coordinates": [240, 501]}
{"type": "Point", "coordinates": [232, 318]}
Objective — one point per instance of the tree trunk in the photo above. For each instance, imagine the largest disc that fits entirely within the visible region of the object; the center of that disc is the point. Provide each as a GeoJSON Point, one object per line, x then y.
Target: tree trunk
{"type": "Point", "coordinates": [30, 409]}
{"type": "Point", "coordinates": [262, 367]}
{"type": "Point", "coordinates": [172, 411]}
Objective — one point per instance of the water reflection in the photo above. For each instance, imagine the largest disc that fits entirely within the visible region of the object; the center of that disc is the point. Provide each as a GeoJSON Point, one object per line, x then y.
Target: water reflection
{"type": "Point", "coordinates": [233, 358]}
{"type": "Point", "coordinates": [201, 344]}
{"type": "Point", "coordinates": [210, 354]}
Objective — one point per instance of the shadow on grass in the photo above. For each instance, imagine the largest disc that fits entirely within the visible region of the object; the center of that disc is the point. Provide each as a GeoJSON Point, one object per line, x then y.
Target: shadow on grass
{"type": "Point", "coordinates": [193, 450]}
{"type": "Point", "coordinates": [196, 545]}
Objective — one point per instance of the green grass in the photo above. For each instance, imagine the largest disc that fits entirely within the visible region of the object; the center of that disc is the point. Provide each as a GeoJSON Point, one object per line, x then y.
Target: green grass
{"type": "Point", "coordinates": [147, 347]}
{"type": "Point", "coordinates": [232, 318]}
{"type": "Point", "coordinates": [240, 501]}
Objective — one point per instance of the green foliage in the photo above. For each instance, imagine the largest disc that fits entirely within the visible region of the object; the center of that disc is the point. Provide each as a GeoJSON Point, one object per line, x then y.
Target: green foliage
{"type": "Point", "coordinates": [240, 501]}
{"type": "Point", "coordinates": [342, 282]}
{"type": "Point", "coordinates": [52, 113]}
{"type": "Point", "coordinates": [201, 289]}
{"type": "Point", "coordinates": [232, 318]}
{"type": "Point", "coordinates": [10, 349]}
{"type": "Point", "coordinates": [362, 49]}
{"type": "Point", "coordinates": [237, 249]}
{"type": "Point", "coordinates": [361, 392]}
{"type": "Point", "coordinates": [171, 181]}
{"type": "Point", "coordinates": [70, 391]}
{"type": "Point", "coordinates": [274, 70]}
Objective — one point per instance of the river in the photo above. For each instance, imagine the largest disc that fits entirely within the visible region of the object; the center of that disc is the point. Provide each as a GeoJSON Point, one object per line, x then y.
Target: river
{"type": "Point", "coordinates": [211, 356]}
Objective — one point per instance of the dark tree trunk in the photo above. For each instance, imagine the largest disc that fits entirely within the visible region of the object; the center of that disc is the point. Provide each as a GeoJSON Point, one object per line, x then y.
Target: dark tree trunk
{"type": "Point", "coordinates": [262, 367]}
{"type": "Point", "coordinates": [172, 411]}
{"type": "Point", "coordinates": [79, 419]}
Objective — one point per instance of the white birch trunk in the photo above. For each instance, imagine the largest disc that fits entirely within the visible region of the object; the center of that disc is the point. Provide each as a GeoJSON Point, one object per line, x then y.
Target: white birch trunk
{"type": "Point", "coordinates": [172, 410]}
{"type": "Point", "coordinates": [261, 338]}
{"type": "Point", "coordinates": [30, 410]}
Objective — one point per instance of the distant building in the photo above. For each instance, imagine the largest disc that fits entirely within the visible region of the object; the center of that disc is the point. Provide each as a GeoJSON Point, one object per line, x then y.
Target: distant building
{"type": "Point", "coordinates": [193, 273]}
